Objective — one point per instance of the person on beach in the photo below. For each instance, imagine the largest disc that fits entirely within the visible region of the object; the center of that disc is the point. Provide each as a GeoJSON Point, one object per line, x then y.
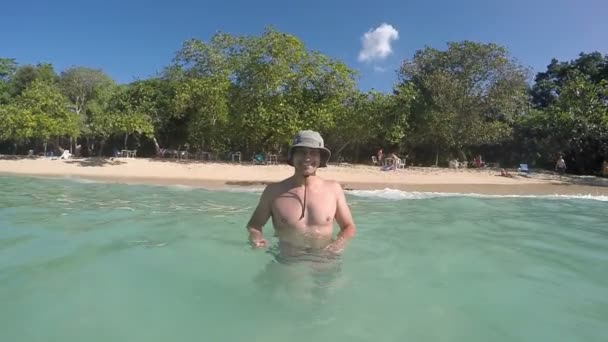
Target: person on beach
{"type": "Point", "coordinates": [560, 166]}
{"type": "Point", "coordinates": [505, 173]}
{"type": "Point", "coordinates": [380, 155]}
{"type": "Point", "coordinates": [303, 207]}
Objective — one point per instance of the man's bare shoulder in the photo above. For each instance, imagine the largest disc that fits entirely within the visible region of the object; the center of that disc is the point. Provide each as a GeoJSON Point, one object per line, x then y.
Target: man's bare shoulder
{"type": "Point", "coordinates": [274, 189]}
{"type": "Point", "coordinates": [333, 185]}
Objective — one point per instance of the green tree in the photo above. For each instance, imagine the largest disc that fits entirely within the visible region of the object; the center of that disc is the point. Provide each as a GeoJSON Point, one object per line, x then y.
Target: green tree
{"type": "Point", "coordinates": [469, 95]}
{"type": "Point", "coordinates": [16, 124]}
{"type": "Point", "coordinates": [156, 98]}
{"type": "Point", "coordinates": [203, 101]}
{"type": "Point", "coordinates": [272, 86]}
{"type": "Point", "coordinates": [8, 66]}
{"type": "Point", "coordinates": [128, 114]}
{"type": "Point", "coordinates": [548, 84]}
{"type": "Point", "coordinates": [576, 124]}
{"type": "Point", "coordinates": [372, 117]}
{"type": "Point", "coordinates": [99, 124]}
{"type": "Point", "coordinates": [572, 103]}
{"type": "Point", "coordinates": [39, 112]}
{"type": "Point", "coordinates": [27, 74]}
{"type": "Point", "coordinates": [581, 120]}
{"type": "Point", "coordinates": [81, 86]}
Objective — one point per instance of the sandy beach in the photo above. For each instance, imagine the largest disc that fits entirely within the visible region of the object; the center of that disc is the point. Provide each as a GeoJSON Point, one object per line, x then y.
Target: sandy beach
{"type": "Point", "coordinates": [218, 175]}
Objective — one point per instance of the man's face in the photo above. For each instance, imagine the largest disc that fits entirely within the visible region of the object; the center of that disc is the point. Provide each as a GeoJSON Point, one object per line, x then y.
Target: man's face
{"type": "Point", "coordinates": [306, 160]}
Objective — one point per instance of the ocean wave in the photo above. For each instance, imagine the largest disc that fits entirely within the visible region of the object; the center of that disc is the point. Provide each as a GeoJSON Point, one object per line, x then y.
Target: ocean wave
{"type": "Point", "coordinates": [394, 194]}
{"type": "Point", "coordinates": [246, 190]}
{"type": "Point", "coordinates": [387, 193]}
{"type": "Point", "coordinates": [180, 187]}
{"type": "Point", "coordinates": [83, 180]}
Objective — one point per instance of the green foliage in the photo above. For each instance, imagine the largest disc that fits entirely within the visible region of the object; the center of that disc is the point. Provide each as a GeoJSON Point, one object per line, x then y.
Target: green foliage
{"type": "Point", "coordinates": [81, 85]}
{"type": "Point", "coordinates": [547, 88]}
{"type": "Point", "coordinates": [16, 124]}
{"type": "Point", "coordinates": [572, 119]}
{"type": "Point", "coordinates": [155, 97]}
{"type": "Point", "coordinates": [370, 117]}
{"type": "Point", "coordinates": [99, 120]}
{"type": "Point", "coordinates": [262, 89]}
{"type": "Point", "coordinates": [27, 74]}
{"type": "Point", "coordinates": [253, 93]}
{"type": "Point", "coordinates": [8, 66]}
{"type": "Point", "coordinates": [128, 113]}
{"type": "Point", "coordinates": [469, 95]}
{"type": "Point", "coordinates": [203, 101]}
{"type": "Point", "coordinates": [39, 112]}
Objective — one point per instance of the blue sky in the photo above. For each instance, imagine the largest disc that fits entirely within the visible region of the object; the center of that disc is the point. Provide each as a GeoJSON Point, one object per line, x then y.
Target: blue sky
{"type": "Point", "coordinates": [135, 39]}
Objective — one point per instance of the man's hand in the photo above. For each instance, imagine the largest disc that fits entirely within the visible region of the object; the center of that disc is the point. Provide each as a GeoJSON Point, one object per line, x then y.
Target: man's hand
{"type": "Point", "coordinates": [345, 221]}
{"type": "Point", "coordinates": [259, 243]}
{"type": "Point", "coordinates": [256, 239]}
{"type": "Point", "coordinates": [258, 219]}
{"type": "Point", "coordinates": [336, 247]}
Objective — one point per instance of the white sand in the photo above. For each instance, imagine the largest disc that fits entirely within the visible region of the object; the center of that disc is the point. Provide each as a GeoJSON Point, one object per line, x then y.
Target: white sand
{"type": "Point", "coordinates": [167, 171]}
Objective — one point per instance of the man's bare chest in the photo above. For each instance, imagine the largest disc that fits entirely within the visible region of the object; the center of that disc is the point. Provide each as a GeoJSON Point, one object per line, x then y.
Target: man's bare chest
{"type": "Point", "coordinates": [292, 209]}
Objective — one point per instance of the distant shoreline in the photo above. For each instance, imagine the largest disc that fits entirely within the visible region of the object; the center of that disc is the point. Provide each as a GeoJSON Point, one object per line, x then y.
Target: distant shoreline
{"type": "Point", "coordinates": [352, 177]}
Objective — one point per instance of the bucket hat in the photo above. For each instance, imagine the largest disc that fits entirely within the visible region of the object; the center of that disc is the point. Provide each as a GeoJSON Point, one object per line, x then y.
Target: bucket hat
{"type": "Point", "coordinates": [310, 139]}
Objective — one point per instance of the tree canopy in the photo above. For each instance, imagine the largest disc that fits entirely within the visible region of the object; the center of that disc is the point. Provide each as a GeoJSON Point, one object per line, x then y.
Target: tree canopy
{"type": "Point", "coordinates": [252, 93]}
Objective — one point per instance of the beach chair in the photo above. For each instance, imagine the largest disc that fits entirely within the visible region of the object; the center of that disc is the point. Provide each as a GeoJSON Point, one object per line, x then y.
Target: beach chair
{"type": "Point", "coordinates": [523, 168]}
{"type": "Point", "coordinates": [401, 163]}
{"type": "Point", "coordinates": [258, 159]}
{"type": "Point", "coordinates": [272, 159]}
{"type": "Point", "coordinates": [66, 154]}
{"type": "Point", "coordinates": [374, 160]}
{"type": "Point", "coordinates": [235, 157]}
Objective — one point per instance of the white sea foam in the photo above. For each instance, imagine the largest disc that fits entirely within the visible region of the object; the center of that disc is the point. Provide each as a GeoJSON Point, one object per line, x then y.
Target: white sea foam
{"type": "Point", "coordinates": [182, 187]}
{"type": "Point", "coordinates": [394, 194]}
{"type": "Point", "coordinates": [246, 190]}
{"type": "Point", "coordinates": [387, 193]}
{"type": "Point", "coordinates": [84, 180]}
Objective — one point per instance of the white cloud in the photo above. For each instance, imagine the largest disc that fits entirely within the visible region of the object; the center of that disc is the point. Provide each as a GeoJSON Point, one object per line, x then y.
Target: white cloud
{"type": "Point", "coordinates": [377, 43]}
{"type": "Point", "coordinates": [379, 69]}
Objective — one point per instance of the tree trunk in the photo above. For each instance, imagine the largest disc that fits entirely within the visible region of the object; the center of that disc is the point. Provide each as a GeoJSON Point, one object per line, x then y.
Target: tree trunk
{"type": "Point", "coordinates": [126, 137]}
{"type": "Point", "coordinates": [71, 149]}
{"type": "Point", "coordinates": [437, 155]}
{"type": "Point", "coordinates": [156, 146]}
{"type": "Point", "coordinates": [101, 144]}
{"type": "Point", "coordinates": [337, 154]}
{"type": "Point", "coordinates": [89, 149]}
{"type": "Point", "coordinates": [58, 146]}
{"type": "Point", "coordinates": [44, 144]}
{"type": "Point", "coordinates": [579, 165]}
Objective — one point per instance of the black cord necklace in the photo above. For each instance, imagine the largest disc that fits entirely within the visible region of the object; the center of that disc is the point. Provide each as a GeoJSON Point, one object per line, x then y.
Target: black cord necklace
{"type": "Point", "coordinates": [304, 205]}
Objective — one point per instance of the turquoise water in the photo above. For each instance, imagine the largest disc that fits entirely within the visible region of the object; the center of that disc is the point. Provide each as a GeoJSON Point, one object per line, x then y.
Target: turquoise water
{"type": "Point", "coordinates": [106, 262]}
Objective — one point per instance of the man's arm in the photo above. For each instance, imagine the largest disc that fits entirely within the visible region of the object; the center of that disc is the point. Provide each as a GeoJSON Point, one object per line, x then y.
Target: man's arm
{"type": "Point", "coordinates": [345, 221]}
{"type": "Point", "coordinates": [259, 218]}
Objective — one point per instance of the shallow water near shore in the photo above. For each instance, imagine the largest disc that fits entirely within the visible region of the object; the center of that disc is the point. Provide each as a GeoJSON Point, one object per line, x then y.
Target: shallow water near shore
{"type": "Point", "coordinates": [88, 261]}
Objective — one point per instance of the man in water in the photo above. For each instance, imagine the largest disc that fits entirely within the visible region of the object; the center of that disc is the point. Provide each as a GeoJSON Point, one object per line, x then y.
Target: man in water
{"type": "Point", "coordinates": [304, 206]}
